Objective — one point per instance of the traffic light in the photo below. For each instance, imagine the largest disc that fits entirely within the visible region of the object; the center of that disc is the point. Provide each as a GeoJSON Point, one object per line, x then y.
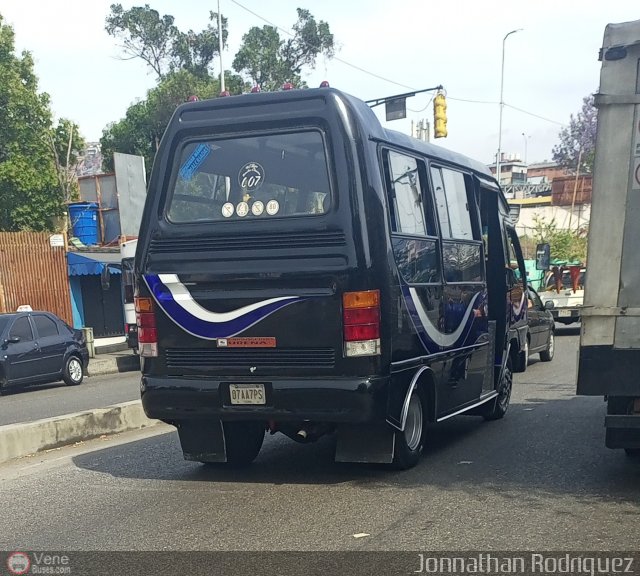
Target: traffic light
{"type": "Point", "coordinates": [440, 116]}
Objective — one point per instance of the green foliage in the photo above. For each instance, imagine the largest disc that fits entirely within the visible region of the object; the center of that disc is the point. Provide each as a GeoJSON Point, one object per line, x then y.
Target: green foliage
{"type": "Point", "coordinates": [30, 195]}
{"type": "Point", "coordinates": [156, 40]}
{"type": "Point", "coordinates": [578, 140]}
{"type": "Point", "coordinates": [270, 61]}
{"type": "Point", "coordinates": [566, 245]}
{"type": "Point", "coordinates": [140, 131]}
{"type": "Point", "coordinates": [144, 34]}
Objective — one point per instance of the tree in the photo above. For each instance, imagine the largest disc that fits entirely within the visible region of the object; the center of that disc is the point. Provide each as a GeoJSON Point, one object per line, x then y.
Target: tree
{"type": "Point", "coordinates": [66, 144]}
{"type": "Point", "coordinates": [140, 131]}
{"type": "Point", "coordinates": [195, 51]}
{"type": "Point", "coordinates": [30, 195]}
{"type": "Point", "coordinates": [157, 40]}
{"type": "Point", "coordinates": [565, 245]}
{"type": "Point", "coordinates": [270, 61]}
{"type": "Point", "coordinates": [144, 34]}
{"type": "Point", "coordinates": [578, 139]}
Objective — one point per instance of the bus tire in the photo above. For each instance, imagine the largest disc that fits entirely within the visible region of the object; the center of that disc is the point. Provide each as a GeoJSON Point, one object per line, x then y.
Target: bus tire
{"type": "Point", "coordinates": [409, 443]}
{"type": "Point", "coordinates": [243, 441]}
{"type": "Point", "coordinates": [523, 357]}
{"type": "Point", "coordinates": [498, 408]}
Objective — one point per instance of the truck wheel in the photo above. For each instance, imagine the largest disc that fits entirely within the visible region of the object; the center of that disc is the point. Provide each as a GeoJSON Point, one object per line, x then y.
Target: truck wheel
{"type": "Point", "coordinates": [523, 357]}
{"type": "Point", "coordinates": [243, 441]}
{"type": "Point", "coordinates": [409, 443]}
{"type": "Point", "coordinates": [547, 355]}
{"type": "Point", "coordinates": [498, 408]}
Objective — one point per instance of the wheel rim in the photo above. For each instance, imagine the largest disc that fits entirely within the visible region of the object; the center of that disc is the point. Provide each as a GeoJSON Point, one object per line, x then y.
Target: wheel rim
{"type": "Point", "coordinates": [75, 370]}
{"type": "Point", "coordinates": [526, 352]}
{"type": "Point", "coordinates": [551, 343]}
{"type": "Point", "coordinates": [413, 425]}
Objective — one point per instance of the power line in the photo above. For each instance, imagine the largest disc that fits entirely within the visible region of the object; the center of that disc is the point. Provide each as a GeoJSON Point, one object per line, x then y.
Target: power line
{"type": "Point", "coordinates": [535, 115]}
{"type": "Point", "coordinates": [373, 74]}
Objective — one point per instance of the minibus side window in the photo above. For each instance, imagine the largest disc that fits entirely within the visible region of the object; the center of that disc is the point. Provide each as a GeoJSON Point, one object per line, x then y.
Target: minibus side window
{"type": "Point", "coordinates": [453, 203]}
{"type": "Point", "coordinates": [405, 194]}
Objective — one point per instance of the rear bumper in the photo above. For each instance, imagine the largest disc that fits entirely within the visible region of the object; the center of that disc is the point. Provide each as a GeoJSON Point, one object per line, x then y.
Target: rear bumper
{"type": "Point", "coordinates": [318, 400]}
{"type": "Point", "coordinates": [565, 314]}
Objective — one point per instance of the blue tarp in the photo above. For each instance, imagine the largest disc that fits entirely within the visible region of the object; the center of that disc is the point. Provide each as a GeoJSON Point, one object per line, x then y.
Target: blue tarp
{"type": "Point", "coordinates": [79, 265]}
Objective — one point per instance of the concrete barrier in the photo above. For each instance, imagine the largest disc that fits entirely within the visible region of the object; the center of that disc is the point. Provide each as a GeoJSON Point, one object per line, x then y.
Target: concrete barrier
{"type": "Point", "coordinates": [23, 439]}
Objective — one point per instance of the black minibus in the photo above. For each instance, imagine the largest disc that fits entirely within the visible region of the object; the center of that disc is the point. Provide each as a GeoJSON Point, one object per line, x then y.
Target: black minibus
{"type": "Point", "coordinates": [301, 269]}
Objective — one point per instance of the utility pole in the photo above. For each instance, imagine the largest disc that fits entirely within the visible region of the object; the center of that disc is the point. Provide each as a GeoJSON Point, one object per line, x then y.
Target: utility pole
{"type": "Point", "coordinates": [220, 48]}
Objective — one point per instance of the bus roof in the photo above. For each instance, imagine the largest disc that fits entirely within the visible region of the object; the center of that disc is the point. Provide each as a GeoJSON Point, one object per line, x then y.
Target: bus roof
{"type": "Point", "coordinates": [368, 120]}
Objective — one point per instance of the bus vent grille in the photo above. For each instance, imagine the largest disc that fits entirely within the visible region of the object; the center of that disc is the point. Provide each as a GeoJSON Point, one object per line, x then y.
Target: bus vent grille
{"type": "Point", "coordinates": [254, 242]}
{"type": "Point", "coordinates": [247, 357]}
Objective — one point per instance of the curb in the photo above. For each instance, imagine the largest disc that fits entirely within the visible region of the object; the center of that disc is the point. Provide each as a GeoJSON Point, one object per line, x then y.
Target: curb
{"type": "Point", "coordinates": [23, 439]}
{"type": "Point", "coordinates": [113, 365]}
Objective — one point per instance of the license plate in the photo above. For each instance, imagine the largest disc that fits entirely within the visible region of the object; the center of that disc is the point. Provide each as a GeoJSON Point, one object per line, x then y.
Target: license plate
{"type": "Point", "coordinates": [247, 394]}
{"type": "Point", "coordinates": [564, 313]}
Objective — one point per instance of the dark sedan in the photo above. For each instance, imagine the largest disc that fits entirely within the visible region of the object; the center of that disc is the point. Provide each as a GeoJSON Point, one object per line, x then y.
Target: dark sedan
{"type": "Point", "coordinates": [38, 347]}
{"type": "Point", "coordinates": [540, 335]}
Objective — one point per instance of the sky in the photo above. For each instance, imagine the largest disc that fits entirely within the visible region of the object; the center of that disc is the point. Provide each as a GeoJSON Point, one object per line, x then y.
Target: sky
{"type": "Point", "coordinates": [384, 48]}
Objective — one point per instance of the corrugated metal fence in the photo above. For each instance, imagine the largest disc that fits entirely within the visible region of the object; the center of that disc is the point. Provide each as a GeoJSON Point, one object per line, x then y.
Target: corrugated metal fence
{"type": "Point", "coordinates": [35, 273]}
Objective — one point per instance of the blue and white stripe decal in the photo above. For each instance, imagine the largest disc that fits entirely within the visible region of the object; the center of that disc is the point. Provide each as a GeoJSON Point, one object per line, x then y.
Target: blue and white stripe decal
{"type": "Point", "coordinates": [177, 302]}
{"type": "Point", "coordinates": [432, 338]}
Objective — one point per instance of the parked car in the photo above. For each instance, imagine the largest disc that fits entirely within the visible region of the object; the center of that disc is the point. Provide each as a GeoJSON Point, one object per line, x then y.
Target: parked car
{"type": "Point", "coordinates": [540, 335]}
{"type": "Point", "coordinates": [38, 347]}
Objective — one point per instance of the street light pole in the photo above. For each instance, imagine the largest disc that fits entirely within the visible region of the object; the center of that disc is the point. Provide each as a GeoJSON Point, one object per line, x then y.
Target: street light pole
{"type": "Point", "coordinates": [220, 48]}
{"type": "Point", "coordinates": [502, 105]}
{"type": "Point", "coordinates": [525, 146]}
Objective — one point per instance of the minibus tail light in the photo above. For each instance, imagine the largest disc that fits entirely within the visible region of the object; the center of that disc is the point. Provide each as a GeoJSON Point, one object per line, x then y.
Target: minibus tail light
{"type": "Point", "coordinates": [361, 322]}
{"type": "Point", "coordinates": [147, 329]}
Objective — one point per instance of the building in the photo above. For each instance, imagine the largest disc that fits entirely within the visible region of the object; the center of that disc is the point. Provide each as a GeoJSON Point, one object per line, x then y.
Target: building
{"type": "Point", "coordinates": [544, 172]}
{"type": "Point", "coordinates": [512, 169]}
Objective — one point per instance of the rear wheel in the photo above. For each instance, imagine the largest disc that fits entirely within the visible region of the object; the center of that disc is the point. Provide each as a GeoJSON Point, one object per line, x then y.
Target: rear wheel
{"type": "Point", "coordinates": [498, 408]}
{"type": "Point", "coordinates": [409, 443]}
{"type": "Point", "coordinates": [547, 355]}
{"type": "Point", "coordinates": [73, 372]}
{"type": "Point", "coordinates": [523, 357]}
{"type": "Point", "coordinates": [243, 441]}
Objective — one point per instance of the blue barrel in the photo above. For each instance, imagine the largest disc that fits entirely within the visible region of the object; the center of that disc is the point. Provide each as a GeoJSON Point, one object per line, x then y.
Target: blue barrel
{"type": "Point", "coordinates": [84, 222]}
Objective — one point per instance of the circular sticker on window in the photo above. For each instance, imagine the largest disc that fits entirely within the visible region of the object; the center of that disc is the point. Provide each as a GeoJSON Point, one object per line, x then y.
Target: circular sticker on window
{"type": "Point", "coordinates": [228, 209]}
{"type": "Point", "coordinates": [251, 176]}
{"type": "Point", "coordinates": [242, 209]}
{"type": "Point", "coordinates": [272, 207]}
{"type": "Point", "coordinates": [257, 208]}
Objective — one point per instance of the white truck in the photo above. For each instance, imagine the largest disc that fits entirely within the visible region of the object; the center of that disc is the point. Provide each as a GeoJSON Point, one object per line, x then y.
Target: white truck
{"type": "Point", "coordinates": [609, 358]}
{"type": "Point", "coordinates": [565, 295]}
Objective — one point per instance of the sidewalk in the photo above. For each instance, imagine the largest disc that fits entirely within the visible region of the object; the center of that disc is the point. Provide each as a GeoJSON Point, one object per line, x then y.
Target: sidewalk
{"type": "Point", "coordinates": [113, 362]}
{"type": "Point", "coordinates": [112, 356]}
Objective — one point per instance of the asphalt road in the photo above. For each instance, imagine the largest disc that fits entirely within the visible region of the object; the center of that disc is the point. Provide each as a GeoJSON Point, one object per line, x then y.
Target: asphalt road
{"type": "Point", "coordinates": [47, 400]}
{"type": "Point", "coordinates": [539, 479]}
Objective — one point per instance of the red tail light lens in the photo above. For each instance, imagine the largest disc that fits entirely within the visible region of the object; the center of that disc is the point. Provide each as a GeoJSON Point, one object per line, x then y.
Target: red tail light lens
{"type": "Point", "coordinates": [361, 320]}
{"type": "Point", "coordinates": [361, 332]}
{"type": "Point", "coordinates": [147, 331]}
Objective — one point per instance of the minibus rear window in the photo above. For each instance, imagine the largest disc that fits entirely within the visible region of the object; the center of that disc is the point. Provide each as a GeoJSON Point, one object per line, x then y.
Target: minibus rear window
{"type": "Point", "coordinates": [256, 177]}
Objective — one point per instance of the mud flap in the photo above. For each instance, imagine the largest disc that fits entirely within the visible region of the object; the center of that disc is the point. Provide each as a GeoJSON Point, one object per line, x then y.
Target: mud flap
{"type": "Point", "coordinates": [203, 442]}
{"type": "Point", "coordinates": [365, 443]}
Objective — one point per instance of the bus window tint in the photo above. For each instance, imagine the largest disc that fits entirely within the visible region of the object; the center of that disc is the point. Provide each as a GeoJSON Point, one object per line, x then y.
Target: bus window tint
{"type": "Point", "coordinates": [452, 203]}
{"type": "Point", "coordinates": [456, 192]}
{"type": "Point", "coordinates": [407, 194]}
{"type": "Point", "coordinates": [269, 176]}
{"type": "Point", "coordinates": [441, 202]}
